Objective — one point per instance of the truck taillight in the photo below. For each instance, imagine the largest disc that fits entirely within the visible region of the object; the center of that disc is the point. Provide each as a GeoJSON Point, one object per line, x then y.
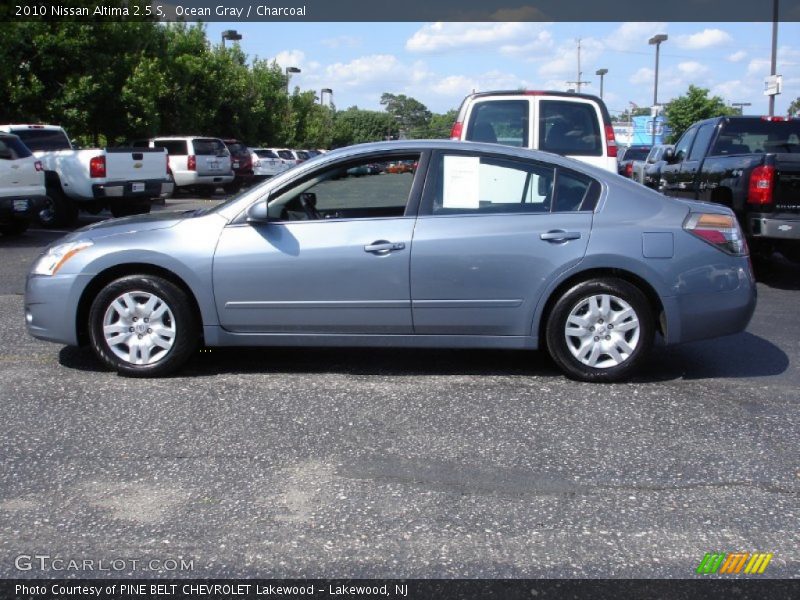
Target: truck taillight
{"type": "Point", "coordinates": [721, 231]}
{"type": "Point", "coordinates": [611, 141]}
{"type": "Point", "coordinates": [762, 183]}
{"type": "Point", "coordinates": [191, 163]}
{"type": "Point", "coordinates": [97, 166]}
{"type": "Point", "coordinates": [455, 132]}
{"type": "Point", "coordinates": [38, 165]}
{"type": "Point", "coordinates": [629, 170]}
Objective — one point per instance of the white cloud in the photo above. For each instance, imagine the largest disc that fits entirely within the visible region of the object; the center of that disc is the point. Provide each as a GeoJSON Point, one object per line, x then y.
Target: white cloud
{"type": "Point", "coordinates": [692, 68]}
{"type": "Point", "coordinates": [708, 38]}
{"type": "Point", "coordinates": [542, 43]}
{"type": "Point", "coordinates": [367, 70]}
{"type": "Point", "coordinates": [738, 56]}
{"type": "Point", "coordinates": [642, 76]}
{"type": "Point", "coordinates": [758, 66]}
{"type": "Point", "coordinates": [440, 37]}
{"type": "Point", "coordinates": [342, 41]}
{"type": "Point", "coordinates": [564, 60]}
{"type": "Point", "coordinates": [290, 58]}
{"type": "Point", "coordinates": [633, 35]}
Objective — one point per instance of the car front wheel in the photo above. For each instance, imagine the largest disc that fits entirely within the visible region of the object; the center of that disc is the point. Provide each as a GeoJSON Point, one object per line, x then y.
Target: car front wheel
{"type": "Point", "coordinates": [143, 326]}
{"type": "Point", "coordinates": [600, 330]}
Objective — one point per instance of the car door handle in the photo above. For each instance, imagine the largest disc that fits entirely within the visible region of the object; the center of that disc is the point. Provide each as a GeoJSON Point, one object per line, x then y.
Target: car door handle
{"type": "Point", "coordinates": [383, 247]}
{"type": "Point", "coordinates": [560, 236]}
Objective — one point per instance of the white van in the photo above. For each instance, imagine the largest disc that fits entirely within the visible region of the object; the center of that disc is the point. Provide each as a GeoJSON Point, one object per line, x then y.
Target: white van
{"type": "Point", "coordinates": [574, 125]}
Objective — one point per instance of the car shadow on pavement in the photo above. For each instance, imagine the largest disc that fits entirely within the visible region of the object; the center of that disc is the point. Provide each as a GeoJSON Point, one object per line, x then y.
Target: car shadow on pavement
{"type": "Point", "coordinates": [735, 356]}
{"type": "Point", "coordinates": [777, 272]}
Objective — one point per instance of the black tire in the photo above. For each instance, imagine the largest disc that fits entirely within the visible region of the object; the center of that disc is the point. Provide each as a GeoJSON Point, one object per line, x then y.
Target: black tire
{"type": "Point", "coordinates": [58, 210]}
{"type": "Point", "coordinates": [791, 251]}
{"type": "Point", "coordinates": [233, 187]}
{"type": "Point", "coordinates": [577, 298]}
{"type": "Point", "coordinates": [180, 316]}
{"type": "Point", "coordinates": [126, 210]}
{"type": "Point", "coordinates": [14, 228]}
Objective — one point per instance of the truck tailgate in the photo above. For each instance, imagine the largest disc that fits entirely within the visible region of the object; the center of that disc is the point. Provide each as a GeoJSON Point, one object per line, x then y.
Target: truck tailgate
{"type": "Point", "coordinates": [135, 164]}
{"type": "Point", "coordinates": [786, 195]}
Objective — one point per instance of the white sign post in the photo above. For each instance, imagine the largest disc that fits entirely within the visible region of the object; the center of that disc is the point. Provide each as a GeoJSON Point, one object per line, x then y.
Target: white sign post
{"type": "Point", "coordinates": [773, 85]}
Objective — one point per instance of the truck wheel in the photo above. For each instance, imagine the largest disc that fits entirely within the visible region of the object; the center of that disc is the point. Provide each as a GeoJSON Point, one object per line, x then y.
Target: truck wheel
{"type": "Point", "coordinates": [14, 228]}
{"type": "Point", "coordinates": [600, 330]}
{"type": "Point", "coordinates": [58, 210]}
{"type": "Point", "coordinates": [791, 251]}
{"type": "Point", "coordinates": [143, 326]}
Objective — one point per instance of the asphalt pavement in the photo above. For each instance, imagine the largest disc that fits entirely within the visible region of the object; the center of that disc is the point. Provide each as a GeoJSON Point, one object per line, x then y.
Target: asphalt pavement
{"type": "Point", "coordinates": [399, 463]}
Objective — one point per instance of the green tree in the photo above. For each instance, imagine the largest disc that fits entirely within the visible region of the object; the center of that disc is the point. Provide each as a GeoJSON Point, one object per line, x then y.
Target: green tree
{"type": "Point", "coordinates": [412, 116]}
{"type": "Point", "coordinates": [693, 106]}
{"type": "Point", "coordinates": [794, 107]}
{"type": "Point", "coordinates": [364, 126]}
{"type": "Point", "coordinates": [440, 125]}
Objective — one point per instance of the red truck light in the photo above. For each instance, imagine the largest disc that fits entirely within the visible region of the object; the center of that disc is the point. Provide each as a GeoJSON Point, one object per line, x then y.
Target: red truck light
{"type": "Point", "coordinates": [38, 165]}
{"type": "Point", "coordinates": [612, 141]}
{"type": "Point", "coordinates": [762, 183]}
{"type": "Point", "coordinates": [97, 167]}
{"type": "Point", "coordinates": [455, 132]}
{"type": "Point", "coordinates": [191, 162]}
{"type": "Point", "coordinates": [629, 170]}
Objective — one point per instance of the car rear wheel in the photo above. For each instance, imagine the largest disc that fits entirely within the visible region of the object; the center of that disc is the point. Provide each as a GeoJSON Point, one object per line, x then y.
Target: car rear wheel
{"type": "Point", "coordinates": [58, 210]}
{"type": "Point", "coordinates": [600, 330]}
{"type": "Point", "coordinates": [14, 228]}
{"type": "Point", "coordinates": [143, 326]}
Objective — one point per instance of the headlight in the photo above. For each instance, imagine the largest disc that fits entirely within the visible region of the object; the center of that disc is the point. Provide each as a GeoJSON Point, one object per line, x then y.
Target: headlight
{"type": "Point", "coordinates": [56, 256]}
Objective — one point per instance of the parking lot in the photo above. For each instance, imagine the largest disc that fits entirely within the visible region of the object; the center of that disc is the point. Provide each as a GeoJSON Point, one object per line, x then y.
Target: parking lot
{"type": "Point", "coordinates": [400, 463]}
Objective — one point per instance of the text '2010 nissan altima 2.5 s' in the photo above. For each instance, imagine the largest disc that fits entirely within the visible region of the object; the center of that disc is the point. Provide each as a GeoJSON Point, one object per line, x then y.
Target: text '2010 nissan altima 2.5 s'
{"type": "Point", "coordinates": [482, 246]}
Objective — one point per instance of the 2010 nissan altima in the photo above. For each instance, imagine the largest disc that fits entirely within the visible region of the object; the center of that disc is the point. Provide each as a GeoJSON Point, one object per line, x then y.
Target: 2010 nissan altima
{"type": "Point", "coordinates": [482, 246]}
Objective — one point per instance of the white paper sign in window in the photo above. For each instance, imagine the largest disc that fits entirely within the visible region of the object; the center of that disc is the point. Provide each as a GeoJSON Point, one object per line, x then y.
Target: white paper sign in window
{"type": "Point", "coordinates": [461, 188]}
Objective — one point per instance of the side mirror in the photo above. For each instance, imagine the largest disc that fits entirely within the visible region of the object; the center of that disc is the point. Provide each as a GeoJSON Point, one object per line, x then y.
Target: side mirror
{"type": "Point", "coordinates": [669, 155]}
{"type": "Point", "coordinates": [258, 212]}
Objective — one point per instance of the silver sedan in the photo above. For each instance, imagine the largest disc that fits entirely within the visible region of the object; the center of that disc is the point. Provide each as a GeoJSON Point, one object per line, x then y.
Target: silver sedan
{"type": "Point", "coordinates": [474, 246]}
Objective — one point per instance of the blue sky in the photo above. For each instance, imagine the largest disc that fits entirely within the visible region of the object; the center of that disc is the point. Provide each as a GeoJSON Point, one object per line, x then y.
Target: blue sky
{"type": "Point", "coordinates": [439, 63]}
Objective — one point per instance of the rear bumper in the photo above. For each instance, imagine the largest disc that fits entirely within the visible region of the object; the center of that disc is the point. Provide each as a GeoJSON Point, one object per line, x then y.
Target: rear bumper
{"type": "Point", "coordinates": [774, 227]}
{"type": "Point", "coordinates": [14, 208]}
{"type": "Point", "coordinates": [189, 179]}
{"type": "Point", "coordinates": [158, 188]}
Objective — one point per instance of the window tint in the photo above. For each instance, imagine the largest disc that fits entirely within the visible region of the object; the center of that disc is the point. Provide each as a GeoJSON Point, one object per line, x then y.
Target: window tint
{"type": "Point", "coordinates": [569, 128]}
{"type": "Point", "coordinates": [701, 141]}
{"type": "Point", "coordinates": [572, 190]}
{"type": "Point", "coordinates": [174, 147]}
{"type": "Point", "coordinates": [365, 189]}
{"type": "Point", "coordinates": [302, 155]}
{"type": "Point", "coordinates": [636, 153]}
{"type": "Point", "coordinates": [43, 139]}
{"type": "Point", "coordinates": [287, 154]}
{"type": "Point", "coordinates": [209, 147]}
{"type": "Point", "coordinates": [13, 149]}
{"type": "Point", "coordinates": [237, 148]}
{"type": "Point", "coordinates": [743, 136]}
{"type": "Point", "coordinates": [266, 154]}
{"type": "Point", "coordinates": [499, 121]}
{"type": "Point", "coordinates": [683, 145]}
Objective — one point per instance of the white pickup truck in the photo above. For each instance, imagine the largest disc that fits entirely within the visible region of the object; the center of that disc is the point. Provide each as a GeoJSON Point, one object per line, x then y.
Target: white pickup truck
{"type": "Point", "coordinates": [124, 180]}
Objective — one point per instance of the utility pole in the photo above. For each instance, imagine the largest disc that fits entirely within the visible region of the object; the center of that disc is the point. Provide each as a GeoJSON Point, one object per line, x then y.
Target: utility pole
{"type": "Point", "coordinates": [774, 64]}
{"type": "Point", "coordinates": [579, 83]}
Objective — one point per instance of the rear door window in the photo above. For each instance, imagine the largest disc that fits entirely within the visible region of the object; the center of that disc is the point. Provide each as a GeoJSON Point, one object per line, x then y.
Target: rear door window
{"type": "Point", "coordinates": [209, 147]}
{"type": "Point", "coordinates": [499, 122]}
{"type": "Point", "coordinates": [701, 142]}
{"type": "Point", "coordinates": [571, 128]}
{"type": "Point", "coordinates": [174, 147]}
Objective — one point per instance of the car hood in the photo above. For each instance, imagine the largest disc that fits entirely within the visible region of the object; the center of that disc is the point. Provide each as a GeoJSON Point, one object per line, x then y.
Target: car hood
{"type": "Point", "coordinates": [159, 220]}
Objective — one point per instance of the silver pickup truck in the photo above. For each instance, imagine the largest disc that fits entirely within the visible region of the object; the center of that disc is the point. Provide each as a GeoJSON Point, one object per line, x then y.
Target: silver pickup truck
{"type": "Point", "coordinates": [123, 180]}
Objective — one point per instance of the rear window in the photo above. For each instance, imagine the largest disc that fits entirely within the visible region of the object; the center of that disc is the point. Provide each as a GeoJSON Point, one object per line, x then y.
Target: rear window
{"type": "Point", "coordinates": [745, 136]}
{"type": "Point", "coordinates": [287, 154]}
{"type": "Point", "coordinates": [13, 147]}
{"type": "Point", "coordinates": [567, 127]}
{"type": "Point", "coordinates": [266, 154]}
{"type": "Point", "coordinates": [174, 147]}
{"type": "Point", "coordinates": [636, 153]}
{"type": "Point", "coordinates": [237, 148]}
{"type": "Point", "coordinates": [499, 122]}
{"type": "Point", "coordinates": [44, 139]}
{"type": "Point", "coordinates": [302, 155]}
{"type": "Point", "coordinates": [209, 147]}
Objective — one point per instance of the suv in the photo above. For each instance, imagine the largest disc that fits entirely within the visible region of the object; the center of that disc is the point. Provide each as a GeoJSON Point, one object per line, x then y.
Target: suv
{"type": "Point", "coordinates": [198, 163]}
{"type": "Point", "coordinates": [242, 165]}
{"type": "Point", "coordinates": [574, 125]}
{"type": "Point", "coordinates": [22, 191]}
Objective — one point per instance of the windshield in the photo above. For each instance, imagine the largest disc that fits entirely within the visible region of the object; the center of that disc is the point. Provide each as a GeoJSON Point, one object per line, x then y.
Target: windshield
{"type": "Point", "coordinates": [636, 153]}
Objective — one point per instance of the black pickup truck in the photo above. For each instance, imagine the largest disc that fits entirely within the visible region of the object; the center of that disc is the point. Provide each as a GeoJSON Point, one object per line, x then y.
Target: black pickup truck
{"type": "Point", "coordinates": [750, 164]}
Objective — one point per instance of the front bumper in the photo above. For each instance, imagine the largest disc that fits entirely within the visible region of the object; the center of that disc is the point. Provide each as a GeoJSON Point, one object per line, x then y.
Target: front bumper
{"type": "Point", "coordinates": [158, 188]}
{"type": "Point", "coordinates": [51, 304]}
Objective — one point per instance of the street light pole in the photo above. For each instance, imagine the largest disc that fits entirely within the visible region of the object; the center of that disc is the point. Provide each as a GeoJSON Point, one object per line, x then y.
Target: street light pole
{"type": "Point", "coordinates": [656, 40]}
{"type": "Point", "coordinates": [602, 73]}
{"type": "Point", "coordinates": [740, 106]}
{"type": "Point", "coordinates": [232, 35]}
{"type": "Point", "coordinates": [288, 71]}
{"type": "Point", "coordinates": [322, 93]}
{"type": "Point", "coordinates": [774, 62]}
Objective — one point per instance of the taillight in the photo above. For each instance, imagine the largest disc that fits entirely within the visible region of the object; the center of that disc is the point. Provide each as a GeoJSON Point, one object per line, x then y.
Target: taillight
{"type": "Point", "coordinates": [611, 141]}
{"type": "Point", "coordinates": [455, 132]}
{"type": "Point", "coordinates": [629, 170]}
{"type": "Point", "coordinates": [166, 156]}
{"type": "Point", "coordinates": [721, 231]}
{"type": "Point", "coordinates": [38, 165]}
{"type": "Point", "coordinates": [762, 183]}
{"type": "Point", "coordinates": [191, 162]}
{"type": "Point", "coordinates": [97, 166]}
